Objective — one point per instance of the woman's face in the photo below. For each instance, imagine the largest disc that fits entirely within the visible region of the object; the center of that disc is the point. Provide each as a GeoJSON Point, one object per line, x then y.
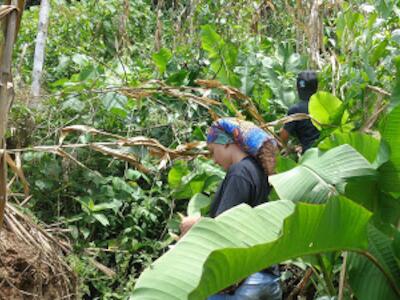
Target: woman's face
{"type": "Point", "coordinates": [221, 155]}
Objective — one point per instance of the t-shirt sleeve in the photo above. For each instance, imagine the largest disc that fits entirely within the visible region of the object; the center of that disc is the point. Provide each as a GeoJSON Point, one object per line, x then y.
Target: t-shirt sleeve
{"type": "Point", "coordinates": [237, 190]}
{"type": "Point", "coordinates": [290, 127]}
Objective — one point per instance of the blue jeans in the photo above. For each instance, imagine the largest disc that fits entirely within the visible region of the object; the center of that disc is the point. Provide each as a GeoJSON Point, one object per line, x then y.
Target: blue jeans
{"type": "Point", "coordinates": [258, 286]}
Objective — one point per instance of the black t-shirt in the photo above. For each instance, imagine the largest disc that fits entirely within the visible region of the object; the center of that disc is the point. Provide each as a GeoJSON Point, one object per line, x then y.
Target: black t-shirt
{"type": "Point", "coordinates": [304, 130]}
{"type": "Point", "coordinates": [245, 182]}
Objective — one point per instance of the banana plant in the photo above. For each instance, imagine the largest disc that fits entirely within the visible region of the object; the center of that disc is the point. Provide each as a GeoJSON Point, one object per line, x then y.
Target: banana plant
{"type": "Point", "coordinates": [219, 252]}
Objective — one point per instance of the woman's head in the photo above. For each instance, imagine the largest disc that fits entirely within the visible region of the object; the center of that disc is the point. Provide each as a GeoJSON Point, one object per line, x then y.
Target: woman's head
{"type": "Point", "coordinates": [229, 139]}
{"type": "Point", "coordinates": [226, 154]}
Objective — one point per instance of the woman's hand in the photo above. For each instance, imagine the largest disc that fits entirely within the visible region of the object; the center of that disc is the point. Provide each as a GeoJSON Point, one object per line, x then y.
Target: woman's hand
{"type": "Point", "coordinates": [187, 223]}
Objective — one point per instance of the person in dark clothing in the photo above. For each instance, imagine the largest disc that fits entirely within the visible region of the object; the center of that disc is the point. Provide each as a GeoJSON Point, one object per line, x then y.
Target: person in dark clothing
{"type": "Point", "coordinates": [245, 182]}
{"type": "Point", "coordinates": [304, 130]}
{"type": "Point", "coordinates": [247, 153]}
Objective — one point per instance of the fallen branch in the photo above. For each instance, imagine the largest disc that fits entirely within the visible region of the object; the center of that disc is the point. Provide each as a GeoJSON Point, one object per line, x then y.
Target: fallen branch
{"type": "Point", "coordinates": [156, 87]}
{"type": "Point", "coordinates": [297, 290]}
{"type": "Point", "coordinates": [379, 90]}
{"type": "Point", "coordinates": [17, 169]}
{"type": "Point", "coordinates": [102, 268]}
{"type": "Point", "coordinates": [115, 148]}
{"type": "Point", "coordinates": [379, 107]}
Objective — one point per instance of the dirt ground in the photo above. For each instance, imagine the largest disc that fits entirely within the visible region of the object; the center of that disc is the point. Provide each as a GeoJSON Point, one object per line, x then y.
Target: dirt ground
{"type": "Point", "coordinates": [26, 274]}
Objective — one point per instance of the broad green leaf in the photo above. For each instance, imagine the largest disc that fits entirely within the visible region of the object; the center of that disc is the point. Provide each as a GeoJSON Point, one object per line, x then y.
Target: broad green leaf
{"type": "Point", "coordinates": [133, 174]}
{"type": "Point", "coordinates": [264, 99]}
{"type": "Point", "coordinates": [219, 252]}
{"type": "Point", "coordinates": [387, 213]}
{"type": "Point", "coordinates": [178, 78]}
{"type": "Point", "coordinates": [80, 59]}
{"type": "Point", "coordinates": [211, 183]}
{"type": "Point", "coordinates": [366, 280]}
{"type": "Point", "coordinates": [85, 232]}
{"type": "Point", "coordinates": [223, 56]}
{"type": "Point", "coordinates": [211, 41]}
{"type": "Point", "coordinates": [317, 176]}
{"type": "Point", "coordinates": [230, 54]}
{"type": "Point", "coordinates": [386, 209]}
{"type": "Point", "coordinates": [379, 52]}
{"type": "Point", "coordinates": [198, 204]}
{"type": "Point", "coordinates": [383, 154]}
{"type": "Point", "coordinates": [191, 185]}
{"type": "Point", "coordinates": [327, 109]}
{"type": "Point", "coordinates": [284, 164]}
{"type": "Point", "coordinates": [114, 205]}
{"type": "Point", "coordinates": [246, 79]}
{"type": "Point", "coordinates": [74, 104]}
{"type": "Point", "coordinates": [114, 101]}
{"type": "Point", "coordinates": [390, 171]}
{"type": "Point", "coordinates": [396, 247]}
{"type": "Point", "coordinates": [396, 36]}
{"type": "Point", "coordinates": [364, 192]}
{"type": "Point", "coordinates": [121, 185]}
{"type": "Point", "coordinates": [380, 245]}
{"type": "Point", "coordinates": [365, 144]}
{"type": "Point", "coordinates": [161, 59]}
{"type": "Point", "coordinates": [102, 219]}
{"type": "Point", "coordinates": [88, 73]}
{"type": "Point", "coordinates": [395, 98]}
{"type": "Point", "coordinates": [293, 62]}
{"type": "Point", "coordinates": [177, 172]}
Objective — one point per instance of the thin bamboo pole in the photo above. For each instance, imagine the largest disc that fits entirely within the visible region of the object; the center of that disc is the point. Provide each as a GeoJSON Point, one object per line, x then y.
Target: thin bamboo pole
{"type": "Point", "coordinates": [40, 49]}
{"type": "Point", "coordinates": [10, 26]}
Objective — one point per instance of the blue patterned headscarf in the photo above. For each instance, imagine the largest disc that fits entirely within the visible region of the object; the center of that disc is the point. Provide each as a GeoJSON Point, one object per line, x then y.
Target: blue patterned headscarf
{"type": "Point", "coordinates": [246, 135]}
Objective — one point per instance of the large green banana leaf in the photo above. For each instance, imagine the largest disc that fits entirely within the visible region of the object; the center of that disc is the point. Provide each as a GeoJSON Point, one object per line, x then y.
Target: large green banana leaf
{"type": "Point", "coordinates": [319, 174]}
{"type": "Point", "coordinates": [367, 281]}
{"type": "Point", "coordinates": [365, 144]}
{"type": "Point", "coordinates": [219, 252]}
{"type": "Point", "coordinates": [390, 171]}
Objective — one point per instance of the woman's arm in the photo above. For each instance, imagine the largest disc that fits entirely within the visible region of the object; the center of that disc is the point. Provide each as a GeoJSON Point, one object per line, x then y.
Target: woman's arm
{"type": "Point", "coordinates": [187, 223]}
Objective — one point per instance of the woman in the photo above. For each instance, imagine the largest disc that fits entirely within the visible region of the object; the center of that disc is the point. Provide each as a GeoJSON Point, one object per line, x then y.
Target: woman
{"type": "Point", "coordinates": [247, 153]}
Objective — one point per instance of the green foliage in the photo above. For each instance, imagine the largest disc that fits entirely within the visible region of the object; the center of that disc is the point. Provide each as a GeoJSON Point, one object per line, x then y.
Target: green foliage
{"type": "Point", "coordinates": [319, 176]}
{"type": "Point", "coordinates": [284, 164]}
{"type": "Point", "coordinates": [198, 205]}
{"type": "Point", "coordinates": [326, 109]}
{"type": "Point", "coordinates": [222, 55]}
{"type": "Point", "coordinates": [187, 183]}
{"type": "Point", "coordinates": [366, 145]}
{"type": "Point", "coordinates": [278, 71]}
{"type": "Point", "coordinates": [161, 59]}
{"type": "Point", "coordinates": [395, 98]}
{"type": "Point", "coordinates": [128, 214]}
{"type": "Point", "coordinates": [366, 279]}
{"type": "Point", "coordinates": [244, 240]}
{"type": "Point", "coordinates": [390, 171]}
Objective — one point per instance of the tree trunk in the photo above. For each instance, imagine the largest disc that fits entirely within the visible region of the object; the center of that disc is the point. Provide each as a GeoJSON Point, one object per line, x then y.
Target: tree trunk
{"type": "Point", "coordinates": [191, 17]}
{"type": "Point", "coordinates": [159, 27]}
{"type": "Point", "coordinates": [40, 48]}
{"type": "Point", "coordinates": [9, 26]}
{"type": "Point", "coordinates": [314, 38]}
{"type": "Point", "coordinates": [124, 41]}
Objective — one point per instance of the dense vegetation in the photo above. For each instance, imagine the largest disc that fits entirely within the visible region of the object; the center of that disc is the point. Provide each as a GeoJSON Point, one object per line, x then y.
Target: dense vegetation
{"type": "Point", "coordinates": [132, 68]}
